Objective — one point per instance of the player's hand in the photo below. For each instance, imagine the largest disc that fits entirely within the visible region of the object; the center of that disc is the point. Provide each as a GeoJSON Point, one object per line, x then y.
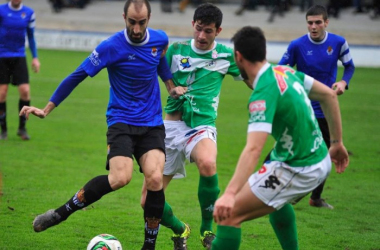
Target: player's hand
{"type": "Point", "coordinates": [339, 87]}
{"type": "Point", "coordinates": [223, 207]}
{"type": "Point", "coordinates": [36, 65]}
{"type": "Point", "coordinates": [26, 110]}
{"type": "Point", "coordinates": [178, 91]}
{"type": "Point", "coordinates": [339, 156]}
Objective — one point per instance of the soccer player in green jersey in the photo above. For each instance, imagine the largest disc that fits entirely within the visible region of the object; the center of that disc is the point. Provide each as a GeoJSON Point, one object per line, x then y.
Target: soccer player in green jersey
{"type": "Point", "coordinates": [300, 160]}
{"type": "Point", "coordinates": [198, 66]}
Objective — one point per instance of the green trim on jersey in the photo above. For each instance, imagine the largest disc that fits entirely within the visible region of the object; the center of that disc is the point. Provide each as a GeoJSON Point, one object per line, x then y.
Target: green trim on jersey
{"type": "Point", "coordinates": [202, 72]}
{"type": "Point", "coordinates": [280, 105]}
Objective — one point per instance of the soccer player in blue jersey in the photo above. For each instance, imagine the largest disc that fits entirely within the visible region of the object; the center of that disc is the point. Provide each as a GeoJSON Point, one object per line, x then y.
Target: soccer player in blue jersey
{"type": "Point", "coordinates": [317, 54]}
{"type": "Point", "coordinates": [133, 58]}
{"type": "Point", "coordinates": [16, 21]}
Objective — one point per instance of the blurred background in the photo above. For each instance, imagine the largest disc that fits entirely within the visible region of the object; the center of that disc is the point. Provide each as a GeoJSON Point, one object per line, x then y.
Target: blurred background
{"type": "Point", "coordinates": [82, 24]}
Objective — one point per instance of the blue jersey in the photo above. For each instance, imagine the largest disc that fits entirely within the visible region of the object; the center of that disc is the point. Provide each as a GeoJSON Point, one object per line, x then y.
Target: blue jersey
{"type": "Point", "coordinates": [320, 60]}
{"type": "Point", "coordinates": [15, 24]}
{"type": "Point", "coordinates": [135, 97]}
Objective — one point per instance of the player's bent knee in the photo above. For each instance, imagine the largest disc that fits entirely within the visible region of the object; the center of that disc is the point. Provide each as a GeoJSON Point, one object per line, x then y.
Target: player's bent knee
{"type": "Point", "coordinates": [119, 181]}
{"type": "Point", "coordinates": [207, 167]}
{"type": "Point", "coordinates": [154, 182]}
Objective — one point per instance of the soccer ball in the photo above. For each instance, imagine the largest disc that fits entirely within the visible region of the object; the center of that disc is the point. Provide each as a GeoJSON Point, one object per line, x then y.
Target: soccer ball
{"type": "Point", "coordinates": [104, 242]}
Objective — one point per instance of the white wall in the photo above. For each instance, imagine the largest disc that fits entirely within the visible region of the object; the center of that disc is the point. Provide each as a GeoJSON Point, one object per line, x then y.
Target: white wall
{"type": "Point", "coordinates": [363, 55]}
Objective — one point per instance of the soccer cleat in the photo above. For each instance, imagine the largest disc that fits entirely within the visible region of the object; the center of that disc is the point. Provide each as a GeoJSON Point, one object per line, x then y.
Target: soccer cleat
{"type": "Point", "coordinates": [46, 220]}
{"type": "Point", "coordinates": [3, 135]}
{"type": "Point", "coordinates": [320, 203]}
{"type": "Point", "coordinates": [180, 240]}
{"type": "Point", "coordinates": [23, 134]}
{"type": "Point", "coordinates": [207, 239]}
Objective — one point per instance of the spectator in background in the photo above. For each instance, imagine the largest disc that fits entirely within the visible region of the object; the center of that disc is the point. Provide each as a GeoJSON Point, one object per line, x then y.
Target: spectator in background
{"type": "Point", "coordinates": [57, 5]}
{"type": "Point", "coordinates": [16, 21]}
{"type": "Point", "coordinates": [376, 9]}
{"type": "Point", "coordinates": [358, 6]}
{"type": "Point", "coordinates": [309, 4]}
{"type": "Point", "coordinates": [333, 8]}
{"type": "Point", "coordinates": [246, 5]}
{"type": "Point", "coordinates": [278, 7]}
{"type": "Point", "coordinates": [166, 5]}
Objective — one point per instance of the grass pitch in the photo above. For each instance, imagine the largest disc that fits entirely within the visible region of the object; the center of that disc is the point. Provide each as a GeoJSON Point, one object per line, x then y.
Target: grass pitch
{"type": "Point", "coordinates": [69, 147]}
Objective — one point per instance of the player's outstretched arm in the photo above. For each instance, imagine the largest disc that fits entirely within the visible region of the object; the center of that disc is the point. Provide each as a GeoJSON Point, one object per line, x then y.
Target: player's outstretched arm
{"type": "Point", "coordinates": [330, 106]}
{"type": "Point", "coordinates": [245, 167]}
{"type": "Point", "coordinates": [41, 113]}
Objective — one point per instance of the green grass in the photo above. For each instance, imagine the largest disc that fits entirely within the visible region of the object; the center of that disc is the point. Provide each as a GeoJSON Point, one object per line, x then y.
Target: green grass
{"type": "Point", "coordinates": [69, 147]}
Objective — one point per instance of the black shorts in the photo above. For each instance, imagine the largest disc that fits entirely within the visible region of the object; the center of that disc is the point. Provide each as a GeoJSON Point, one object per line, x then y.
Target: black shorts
{"type": "Point", "coordinates": [13, 70]}
{"type": "Point", "coordinates": [133, 141]}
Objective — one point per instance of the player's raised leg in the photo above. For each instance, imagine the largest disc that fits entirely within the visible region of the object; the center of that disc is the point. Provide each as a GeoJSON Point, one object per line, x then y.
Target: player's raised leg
{"type": "Point", "coordinates": [120, 175]}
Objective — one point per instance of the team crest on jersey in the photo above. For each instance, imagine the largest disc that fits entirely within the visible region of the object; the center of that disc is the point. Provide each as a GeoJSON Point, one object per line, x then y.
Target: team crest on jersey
{"type": "Point", "coordinates": [23, 15]}
{"type": "Point", "coordinates": [154, 51]}
{"type": "Point", "coordinates": [214, 54]}
{"type": "Point", "coordinates": [329, 51]}
{"type": "Point", "coordinates": [94, 58]}
{"type": "Point", "coordinates": [185, 62]}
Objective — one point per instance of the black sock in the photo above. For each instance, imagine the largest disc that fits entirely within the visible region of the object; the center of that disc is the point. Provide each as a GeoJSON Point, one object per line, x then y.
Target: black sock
{"type": "Point", "coordinates": [153, 210]}
{"type": "Point", "coordinates": [22, 118]}
{"type": "Point", "coordinates": [3, 116]}
{"type": "Point", "coordinates": [316, 194]}
{"type": "Point", "coordinates": [91, 192]}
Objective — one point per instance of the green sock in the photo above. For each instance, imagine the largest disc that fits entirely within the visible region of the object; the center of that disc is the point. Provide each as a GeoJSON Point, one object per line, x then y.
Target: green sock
{"type": "Point", "coordinates": [283, 222]}
{"type": "Point", "coordinates": [208, 192]}
{"type": "Point", "coordinates": [171, 221]}
{"type": "Point", "coordinates": [227, 238]}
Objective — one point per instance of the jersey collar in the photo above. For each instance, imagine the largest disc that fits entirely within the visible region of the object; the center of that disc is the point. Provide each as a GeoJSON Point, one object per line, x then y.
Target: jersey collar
{"type": "Point", "coordinates": [261, 71]}
{"type": "Point", "coordinates": [145, 41]}
{"type": "Point", "coordinates": [199, 51]}
{"type": "Point", "coordinates": [324, 39]}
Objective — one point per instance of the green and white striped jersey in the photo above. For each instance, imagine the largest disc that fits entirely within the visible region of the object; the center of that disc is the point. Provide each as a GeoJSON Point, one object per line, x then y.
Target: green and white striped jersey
{"type": "Point", "coordinates": [279, 105]}
{"type": "Point", "coordinates": [202, 72]}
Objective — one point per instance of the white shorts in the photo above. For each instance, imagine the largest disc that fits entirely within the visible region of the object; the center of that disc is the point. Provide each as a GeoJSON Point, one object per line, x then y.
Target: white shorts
{"type": "Point", "coordinates": [277, 183]}
{"type": "Point", "coordinates": [179, 142]}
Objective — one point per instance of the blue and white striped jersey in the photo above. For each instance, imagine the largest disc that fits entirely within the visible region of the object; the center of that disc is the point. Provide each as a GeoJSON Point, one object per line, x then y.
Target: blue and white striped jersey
{"type": "Point", "coordinates": [320, 60]}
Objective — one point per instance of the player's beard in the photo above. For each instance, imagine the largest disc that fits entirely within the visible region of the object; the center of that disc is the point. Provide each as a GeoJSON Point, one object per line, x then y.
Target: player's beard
{"type": "Point", "coordinates": [136, 38]}
{"type": "Point", "coordinates": [243, 73]}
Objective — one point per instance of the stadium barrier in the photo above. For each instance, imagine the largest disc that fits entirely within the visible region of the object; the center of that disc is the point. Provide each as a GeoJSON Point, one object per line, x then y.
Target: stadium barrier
{"type": "Point", "coordinates": [364, 55]}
